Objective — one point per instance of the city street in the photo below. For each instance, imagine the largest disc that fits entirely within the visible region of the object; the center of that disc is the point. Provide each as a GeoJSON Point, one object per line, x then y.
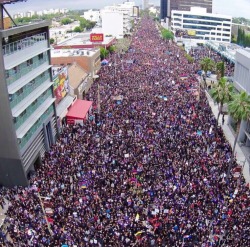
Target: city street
{"type": "Point", "coordinates": [148, 168]}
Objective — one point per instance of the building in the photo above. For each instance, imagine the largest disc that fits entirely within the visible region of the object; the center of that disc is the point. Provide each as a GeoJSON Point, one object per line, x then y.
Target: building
{"type": "Point", "coordinates": [116, 19]}
{"type": "Point", "coordinates": [145, 4]}
{"type": "Point", "coordinates": [82, 41]}
{"type": "Point", "coordinates": [200, 25]}
{"type": "Point", "coordinates": [242, 83]}
{"type": "Point", "coordinates": [186, 5]}
{"type": "Point", "coordinates": [89, 60]}
{"type": "Point", "coordinates": [79, 81]}
{"type": "Point", "coordinates": [92, 15]}
{"type": "Point", "coordinates": [167, 6]}
{"type": "Point", "coordinates": [165, 9]}
{"type": "Point", "coordinates": [27, 112]}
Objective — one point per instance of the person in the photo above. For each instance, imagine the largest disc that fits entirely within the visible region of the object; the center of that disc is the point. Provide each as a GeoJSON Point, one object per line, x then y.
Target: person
{"type": "Point", "coordinates": [223, 119]}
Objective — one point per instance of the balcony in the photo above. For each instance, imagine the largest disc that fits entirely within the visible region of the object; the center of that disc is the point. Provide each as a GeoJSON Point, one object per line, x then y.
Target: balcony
{"type": "Point", "coordinates": [25, 133]}
{"type": "Point", "coordinates": [26, 102]}
{"type": "Point", "coordinates": [24, 71]}
{"type": "Point", "coordinates": [28, 90]}
{"type": "Point", "coordinates": [17, 52]}
{"type": "Point", "coordinates": [15, 86]}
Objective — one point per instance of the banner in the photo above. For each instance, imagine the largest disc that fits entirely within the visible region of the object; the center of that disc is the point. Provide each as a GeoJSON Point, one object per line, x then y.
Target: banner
{"type": "Point", "coordinates": [60, 84]}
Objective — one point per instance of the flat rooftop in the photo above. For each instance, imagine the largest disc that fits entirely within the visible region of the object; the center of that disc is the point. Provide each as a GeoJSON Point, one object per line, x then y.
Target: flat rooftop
{"type": "Point", "coordinates": [73, 52]}
{"type": "Point", "coordinates": [83, 39]}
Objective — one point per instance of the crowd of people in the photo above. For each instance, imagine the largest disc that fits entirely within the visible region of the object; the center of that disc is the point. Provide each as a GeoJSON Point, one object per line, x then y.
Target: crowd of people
{"type": "Point", "coordinates": [203, 51]}
{"type": "Point", "coordinates": [148, 170]}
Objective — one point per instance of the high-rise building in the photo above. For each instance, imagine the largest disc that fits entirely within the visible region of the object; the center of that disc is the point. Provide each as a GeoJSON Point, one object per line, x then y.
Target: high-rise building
{"type": "Point", "coordinates": [145, 4]}
{"type": "Point", "coordinates": [184, 5]}
{"type": "Point", "coordinates": [28, 116]}
{"type": "Point", "coordinates": [165, 9]}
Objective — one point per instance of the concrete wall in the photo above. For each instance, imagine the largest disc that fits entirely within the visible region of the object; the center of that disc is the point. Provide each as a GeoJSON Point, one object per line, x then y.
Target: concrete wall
{"type": "Point", "coordinates": [11, 168]}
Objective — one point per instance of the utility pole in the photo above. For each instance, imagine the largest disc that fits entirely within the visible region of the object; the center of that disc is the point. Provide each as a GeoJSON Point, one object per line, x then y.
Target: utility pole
{"type": "Point", "coordinates": [44, 213]}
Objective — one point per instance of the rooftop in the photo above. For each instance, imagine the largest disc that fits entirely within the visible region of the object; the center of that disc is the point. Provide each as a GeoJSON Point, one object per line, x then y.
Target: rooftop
{"type": "Point", "coordinates": [82, 39]}
{"type": "Point", "coordinates": [73, 52]}
{"type": "Point", "coordinates": [76, 75]}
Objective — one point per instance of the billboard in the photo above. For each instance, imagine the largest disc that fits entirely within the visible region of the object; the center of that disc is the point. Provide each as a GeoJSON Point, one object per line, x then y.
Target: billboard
{"type": "Point", "coordinates": [96, 37]}
{"type": "Point", "coordinates": [61, 84]}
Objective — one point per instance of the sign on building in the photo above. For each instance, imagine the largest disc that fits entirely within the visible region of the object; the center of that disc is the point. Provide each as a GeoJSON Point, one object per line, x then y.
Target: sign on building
{"type": "Point", "coordinates": [96, 37]}
{"type": "Point", "coordinates": [61, 84]}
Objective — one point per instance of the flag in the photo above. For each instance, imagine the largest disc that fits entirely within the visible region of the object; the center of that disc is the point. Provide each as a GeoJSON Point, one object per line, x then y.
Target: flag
{"type": "Point", "coordinates": [137, 217]}
{"type": "Point", "coordinates": [138, 233]}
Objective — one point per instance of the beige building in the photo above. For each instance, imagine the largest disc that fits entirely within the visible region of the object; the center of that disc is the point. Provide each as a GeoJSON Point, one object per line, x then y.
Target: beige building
{"type": "Point", "coordinates": [87, 59]}
{"type": "Point", "coordinates": [79, 81]}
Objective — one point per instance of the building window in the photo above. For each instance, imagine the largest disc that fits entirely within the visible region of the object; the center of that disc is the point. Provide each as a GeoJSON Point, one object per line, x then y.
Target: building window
{"type": "Point", "coordinates": [40, 56]}
{"type": "Point", "coordinates": [29, 62]}
{"type": "Point", "coordinates": [20, 91]}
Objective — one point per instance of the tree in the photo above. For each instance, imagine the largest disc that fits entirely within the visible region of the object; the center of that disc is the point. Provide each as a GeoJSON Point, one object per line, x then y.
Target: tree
{"type": "Point", "coordinates": [103, 53]}
{"type": "Point", "coordinates": [166, 34]}
{"type": "Point", "coordinates": [239, 109]}
{"type": "Point", "coordinates": [111, 49]}
{"type": "Point", "coordinates": [77, 30]}
{"type": "Point", "coordinates": [51, 41]}
{"type": "Point", "coordinates": [220, 69]}
{"type": "Point", "coordinates": [207, 64]}
{"type": "Point", "coordinates": [222, 93]}
{"type": "Point", "coordinates": [66, 21]}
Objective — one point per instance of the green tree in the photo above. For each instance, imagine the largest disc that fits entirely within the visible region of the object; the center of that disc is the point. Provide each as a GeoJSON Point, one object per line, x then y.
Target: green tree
{"type": "Point", "coordinates": [51, 41]}
{"type": "Point", "coordinates": [103, 53]}
{"type": "Point", "coordinates": [207, 64]}
{"type": "Point", "coordinates": [222, 92]}
{"type": "Point", "coordinates": [166, 34]}
{"type": "Point", "coordinates": [77, 30]}
{"type": "Point", "coordinates": [111, 49]}
{"type": "Point", "coordinates": [220, 69]}
{"type": "Point", "coordinates": [66, 21]}
{"type": "Point", "coordinates": [239, 109]}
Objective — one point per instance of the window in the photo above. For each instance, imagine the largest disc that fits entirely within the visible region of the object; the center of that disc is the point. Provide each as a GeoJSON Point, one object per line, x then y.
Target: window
{"type": "Point", "coordinates": [40, 56]}
{"type": "Point", "coordinates": [213, 33]}
{"type": "Point", "coordinates": [7, 74]}
{"type": "Point", "coordinates": [16, 69]}
{"type": "Point", "coordinates": [29, 62]}
{"type": "Point", "coordinates": [20, 91]}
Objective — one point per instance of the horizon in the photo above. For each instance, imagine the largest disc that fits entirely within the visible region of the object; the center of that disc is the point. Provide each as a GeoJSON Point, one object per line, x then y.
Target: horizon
{"type": "Point", "coordinates": [225, 7]}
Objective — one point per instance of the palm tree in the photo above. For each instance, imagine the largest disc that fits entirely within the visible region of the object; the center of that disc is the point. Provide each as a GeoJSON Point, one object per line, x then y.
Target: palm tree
{"type": "Point", "coordinates": [207, 64]}
{"type": "Point", "coordinates": [239, 109]}
{"type": "Point", "coordinates": [222, 93]}
{"type": "Point", "coordinates": [220, 69]}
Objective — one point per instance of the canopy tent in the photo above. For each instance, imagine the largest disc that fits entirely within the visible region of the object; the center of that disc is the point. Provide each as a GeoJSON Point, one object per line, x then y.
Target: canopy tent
{"type": "Point", "coordinates": [79, 111]}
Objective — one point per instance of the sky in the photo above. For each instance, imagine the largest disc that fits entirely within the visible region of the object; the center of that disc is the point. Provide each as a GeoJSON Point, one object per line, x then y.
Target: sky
{"type": "Point", "coordinates": [235, 8]}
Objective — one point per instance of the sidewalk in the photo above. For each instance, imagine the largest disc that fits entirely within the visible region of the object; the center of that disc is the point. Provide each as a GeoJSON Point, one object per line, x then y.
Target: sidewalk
{"type": "Point", "coordinates": [2, 213]}
{"type": "Point", "coordinates": [241, 158]}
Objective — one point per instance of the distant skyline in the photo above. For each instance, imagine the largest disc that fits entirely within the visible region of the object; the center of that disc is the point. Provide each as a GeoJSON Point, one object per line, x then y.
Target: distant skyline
{"type": "Point", "coordinates": [239, 8]}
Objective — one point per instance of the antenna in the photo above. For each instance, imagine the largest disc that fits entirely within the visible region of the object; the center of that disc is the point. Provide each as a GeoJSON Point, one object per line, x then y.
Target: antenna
{"type": "Point", "coordinates": [2, 8]}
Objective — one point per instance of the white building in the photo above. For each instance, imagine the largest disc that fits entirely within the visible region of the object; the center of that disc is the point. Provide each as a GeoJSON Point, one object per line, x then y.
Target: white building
{"type": "Point", "coordinates": [112, 24]}
{"type": "Point", "coordinates": [200, 25]}
{"type": "Point", "coordinates": [116, 19]}
{"type": "Point", "coordinates": [30, 13]}
{"type": "Point", "coordinates": [92, 15]}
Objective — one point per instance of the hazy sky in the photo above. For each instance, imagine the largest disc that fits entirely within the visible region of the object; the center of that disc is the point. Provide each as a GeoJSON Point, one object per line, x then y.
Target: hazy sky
{"type": "Point", "coordinates": [229, 7]}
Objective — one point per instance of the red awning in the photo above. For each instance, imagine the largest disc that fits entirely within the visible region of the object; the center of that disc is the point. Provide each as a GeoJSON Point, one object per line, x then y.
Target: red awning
{"type": "Point", "coordinates": [79, 109]}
